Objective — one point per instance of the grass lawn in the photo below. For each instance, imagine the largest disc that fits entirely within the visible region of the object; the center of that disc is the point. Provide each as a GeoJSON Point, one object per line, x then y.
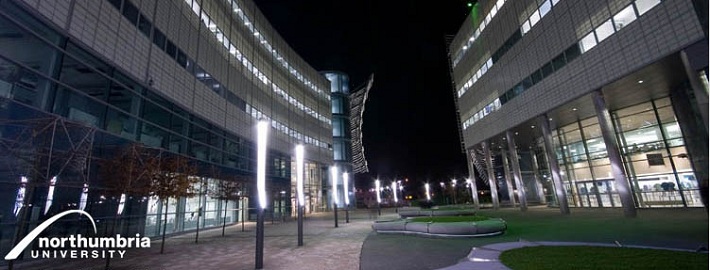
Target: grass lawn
{"type": "Point", "coordinates": [441, 219]}
{"type": "Point", "coordinates": [579, 257]}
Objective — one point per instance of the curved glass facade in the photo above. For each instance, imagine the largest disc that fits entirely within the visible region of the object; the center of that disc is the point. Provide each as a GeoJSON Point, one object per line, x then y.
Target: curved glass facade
{"type": "Point", "coordinates": [69, 100]}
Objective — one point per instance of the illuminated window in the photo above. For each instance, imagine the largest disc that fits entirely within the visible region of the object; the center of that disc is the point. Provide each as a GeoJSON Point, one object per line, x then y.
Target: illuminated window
{"type": "Point", "coordinates": [624, 17]}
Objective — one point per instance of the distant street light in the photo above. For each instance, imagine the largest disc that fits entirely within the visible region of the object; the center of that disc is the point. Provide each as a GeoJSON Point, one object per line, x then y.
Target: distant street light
{"type": "Point", "coordinates": [428, 195]}
{"type": "Point", "coordinates": [299, 189]}
{"type": "Point", "coordinates": [346, 195]}
{"type": "Point", "coordinates": [379, 200]}
{"type": "Point", "coordinates": [453, 189]}
{"type": "Point", "coordinates": [334, 179]}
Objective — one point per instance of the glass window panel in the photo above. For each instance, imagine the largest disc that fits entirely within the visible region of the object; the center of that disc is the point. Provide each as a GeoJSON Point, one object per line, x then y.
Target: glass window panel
{"type": "Point", "coordinates": [624, 17]}
{"type": "Point", "coordinates": [130, 12]}
{"type": "Point", "coordinates": [666, 114]}
{"type": "Point", "coordinates": [525, 27]}
{"type": "Point", "coordinates": [604, 30]}
{"type": "Point", "coordinates": [645, 5]}
{"type": "Point", "coordinates": [79, 107]}
{"type": "Point", "coordinates": [534, 18]}
{"type": "Point", "coordinates": [673, 131]}
{"type": "Point", "coordinates": [21, 46]}
{"type": "Point", "coordinates": [23, 85]}
{"type": "Point", "coordinates": [572, 52]}
{"type": "Point", "coordinates": [144, 25]}
{"type": "Point", "coordinates": [170, 49]}
{"type": "Point", "coordinates": [121, 124]}
{"type": "Point", "coordinates": [588, 42]}
{"type": "Point", "coordinates": [545, 8]}
{"type": "Point", "coordinates": [559, 61]}
{"type": "Point", "coordinates": [159, 39]}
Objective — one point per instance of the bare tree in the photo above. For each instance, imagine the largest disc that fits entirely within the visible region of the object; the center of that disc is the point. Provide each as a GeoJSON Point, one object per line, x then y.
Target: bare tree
{"type": "Point", "coordinates": [171, 177]}
{"type": "Point", "coordinates": [227, 189]}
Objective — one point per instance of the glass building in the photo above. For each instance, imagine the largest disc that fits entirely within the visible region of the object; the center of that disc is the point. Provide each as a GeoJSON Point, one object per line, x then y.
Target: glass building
{"type": "Point", "coordinates": [576, 103]}
{"type": "Point", "coordinates": [81, 80]}
{"type": "Point", "coordinates": [342, 144]}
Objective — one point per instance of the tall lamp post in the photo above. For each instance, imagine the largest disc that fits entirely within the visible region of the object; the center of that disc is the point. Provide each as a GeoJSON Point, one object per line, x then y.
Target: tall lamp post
{"type": "Point", "coordinates": [453, 189]}
{"type": "Point", "coordinates": [401, 190]}
{"type": "Point", "coordinates": [299, 191]}
{"type": "Point", "coordinates": [428, 195]}
{"type": "Point", "coordinates": [394, 195]}
{"type": "Point", "coordinates": [262, 132]}
{"type": "Point", "coordinates": [334, 179]}
{"type": "Point", "coordinates": [443, 188]}
{"type": "Point", "coordinates": [379, 200]}
{"type": "Point", "coordinates": [346, 196]}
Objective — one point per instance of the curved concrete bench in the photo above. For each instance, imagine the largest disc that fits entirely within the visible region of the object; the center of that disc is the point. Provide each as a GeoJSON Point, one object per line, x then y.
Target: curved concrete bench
{"type": "Point", "coordinates": [491, 226]}
{"type": "Point", "coordinates": [448, 212]}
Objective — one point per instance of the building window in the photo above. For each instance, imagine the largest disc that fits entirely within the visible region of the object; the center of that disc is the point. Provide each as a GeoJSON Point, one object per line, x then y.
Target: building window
{"type": "Point", "coordinates": [645, 5]}
{"type": "Point", "coordinates": [588, 42]}
{"type": "Point", "coordinates": [624, 17]}
{"type": "Point", "coordinates": [604, 30]}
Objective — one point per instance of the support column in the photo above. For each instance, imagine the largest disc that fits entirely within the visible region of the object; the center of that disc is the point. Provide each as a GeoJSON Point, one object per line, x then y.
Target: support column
{"type": "Point", "coordinates": [491, 175]}
{"type": "Point", "coordinates": [612, 150]}
{"type": "Point", "coordinates": [516, 170]}
{"type": "Point", "coordinates": [538, 180]}
{"type": "Point", "coordinates": [554, 167]}
{"type": "Point", "coordinates": [471, 157]}
{"type": "Point", "coordinates": [695, 138]}
{"type": "Point", "coordinates": [506, 176]}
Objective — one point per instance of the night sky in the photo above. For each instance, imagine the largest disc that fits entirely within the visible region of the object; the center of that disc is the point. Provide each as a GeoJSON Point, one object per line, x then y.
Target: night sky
{"type": "Point", "coordinates": [410, 120]}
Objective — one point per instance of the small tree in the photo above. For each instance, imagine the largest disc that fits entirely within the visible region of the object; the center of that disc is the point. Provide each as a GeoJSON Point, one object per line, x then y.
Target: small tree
{"type": "Point", "coordinates": [172, 177]}
{"type": "Point", "coordinates": [227, 189]}
{"type": "Point", "coordinates": [126, 174]}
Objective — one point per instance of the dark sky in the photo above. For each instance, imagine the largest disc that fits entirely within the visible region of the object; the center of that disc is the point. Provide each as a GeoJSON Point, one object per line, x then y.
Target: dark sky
{"type": "Point", "coordinates": [410, 121]}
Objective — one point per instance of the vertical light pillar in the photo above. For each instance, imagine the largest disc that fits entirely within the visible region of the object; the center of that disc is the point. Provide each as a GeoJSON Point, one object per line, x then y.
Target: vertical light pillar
{"type": "Point", "coordinates": [612, 150]}
{"type": "Point", "coordinates": [453, 190]}
{"type": "Point", "coordinates": [553, 165]}
{"type": "Point", "coordinates": [334, 183]}
{"type": "Point", "coordinates": [299, 190]}
{"type": "Point", "coordinates": [379, 200]}
{"type": "Point", "coordinates": [394, 195]}
{"type": "Point", "coordinates": [428, 194]}
{"type": "Point", "coordinates": [517, 175]}
{"type": "Point", "coordinates": [491, 176]}
{"type": "Point", "coordinates": [262, 133]}
{"type": "Point", "coordinates": [346, 197]}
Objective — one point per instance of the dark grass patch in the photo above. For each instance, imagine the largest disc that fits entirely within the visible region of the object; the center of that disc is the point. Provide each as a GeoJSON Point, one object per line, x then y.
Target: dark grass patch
{"type": "Point", "coordinates": [584, 257]}
{"type": "Point", "coordinates": [442, 219]}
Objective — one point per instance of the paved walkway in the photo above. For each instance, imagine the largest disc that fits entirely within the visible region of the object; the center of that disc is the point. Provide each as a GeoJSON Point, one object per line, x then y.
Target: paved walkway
{"type": "Point", "coordinates": [325, 247]}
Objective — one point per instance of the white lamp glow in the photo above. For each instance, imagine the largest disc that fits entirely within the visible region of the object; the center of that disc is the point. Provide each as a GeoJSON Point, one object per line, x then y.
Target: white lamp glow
{"type": "Point", "coordinates": [428, 196]}
{"type": "Point", "coordinates": [50, 194]}
{"type": "Point", "coordinates": [262, 131]}
{"type": "Point", "coordinates": [377, 190]}
{"type": "Point", "coordinates": [84, 196]}
{"type": "Point", "coordinates": [345, 188]}
{"type": "Point", "coordinates": [334, 179]}
{"type": "Point", "coordinates": [394, 190]}
{"type": "Point", "coordinates": [299, 174]}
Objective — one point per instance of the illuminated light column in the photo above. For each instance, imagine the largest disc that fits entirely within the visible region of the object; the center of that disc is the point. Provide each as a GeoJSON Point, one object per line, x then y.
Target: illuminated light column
{"type": "Point", "coordinates": [346, 196]}
{"type": "Point", "coordinates": [20, 197]}
{"type": "Point", "coordinates": [262, 132]}
{"type": "Point", "coordinates": [394, 194]}
{"type": "Point", "coordinates": [84, 196]}
{"type": "Point", "coordinates": [453, 188]}
{"type": "Point", "coordinates": [334, 180]}
{"type": "Point", "coordinates": [379, 200]}
{"type": "Point", "coordinates": [428, 195]}
{"type": "Point", "coordinates": [50, 194]}
{"type": "Point", "coordinates": [299, 191]}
